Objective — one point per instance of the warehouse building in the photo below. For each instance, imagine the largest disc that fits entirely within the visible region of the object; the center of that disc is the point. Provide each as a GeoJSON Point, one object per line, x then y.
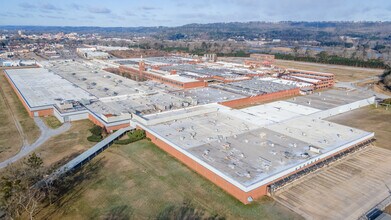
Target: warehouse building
{"type": "Point", "coordinates": [253, 151]}
{"type": "Point", "coordinates": [248, 152]}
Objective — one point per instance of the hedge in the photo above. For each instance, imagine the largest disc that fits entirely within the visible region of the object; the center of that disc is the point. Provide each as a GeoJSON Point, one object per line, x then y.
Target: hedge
{"type": "Point", "coordinates": [133, 137]}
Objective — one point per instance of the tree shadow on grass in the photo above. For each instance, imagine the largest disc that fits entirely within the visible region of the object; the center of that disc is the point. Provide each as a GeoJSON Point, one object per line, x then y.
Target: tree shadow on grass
{"type": "Point", "coordinates": [122, 212]}
{"type": "Point", "coordinates": [68, 188]}
{"type": "Point", "coordinates": [186, 211]}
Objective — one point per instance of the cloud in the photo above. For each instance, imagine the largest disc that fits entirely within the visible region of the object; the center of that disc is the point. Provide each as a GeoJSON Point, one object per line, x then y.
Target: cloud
{"type": "Point", "coordinates": [50, 7]}
{"type": "Point", "coordinates": [76, 6]}
{"type": "Point", "coordinates": [129, 13]}
{"type": "Point", "coordinates": [26, 15]}
{"type": "Point", "coordinates": [116, 17]}
{"type": "Point", "coordinates": [26, 5]}
{"type": "Point", "coordinates": [89, 17]}
{"type": "Point", "coordinates": [52, 17]}
{"type": "Point", "coordinates": [101, 10]}
{"type": "Point", "coordinates": [148, 8]}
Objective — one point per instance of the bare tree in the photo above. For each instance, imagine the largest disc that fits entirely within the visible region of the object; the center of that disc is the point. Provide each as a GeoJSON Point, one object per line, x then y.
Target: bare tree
{"type": "Point", "coordinates": [17, 187]}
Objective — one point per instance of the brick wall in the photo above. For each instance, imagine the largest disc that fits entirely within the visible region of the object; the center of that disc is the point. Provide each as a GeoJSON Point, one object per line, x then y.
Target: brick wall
{"type": "Point", "coordinates": [261, 98]}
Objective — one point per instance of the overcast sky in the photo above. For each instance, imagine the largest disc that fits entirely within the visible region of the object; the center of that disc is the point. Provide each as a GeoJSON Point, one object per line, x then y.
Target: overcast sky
{"type": "Point", "coordinates": [178, 12]}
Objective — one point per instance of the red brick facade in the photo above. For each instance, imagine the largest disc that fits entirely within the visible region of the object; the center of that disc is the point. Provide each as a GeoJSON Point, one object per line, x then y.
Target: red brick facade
{"type": "Point", "coordinates": [261, 98]}
{"type": "Point", "coordinates": [155, 77]}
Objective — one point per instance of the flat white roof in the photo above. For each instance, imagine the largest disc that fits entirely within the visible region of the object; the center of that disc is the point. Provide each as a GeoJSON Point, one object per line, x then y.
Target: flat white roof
{"type": "Point", "coordinates": [286, 82]}
{"type": "Point", "coordinates": [180, 78]}
{"type": "Point", "coordinates": [256, 145]}
{"type": "Point", "coordinates": [306, 79]}
{"type": "Point", "coordinates": [39, 87]}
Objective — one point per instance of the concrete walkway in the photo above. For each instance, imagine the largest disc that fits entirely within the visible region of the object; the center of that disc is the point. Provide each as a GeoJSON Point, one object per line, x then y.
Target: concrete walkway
{"type": "Point", "coordinates": [46, 134]}
{"type": "Point", "coordinates": [90, 153]}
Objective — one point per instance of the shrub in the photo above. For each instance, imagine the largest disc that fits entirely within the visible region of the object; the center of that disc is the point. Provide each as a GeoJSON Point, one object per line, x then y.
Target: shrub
{"type": "Point", "coordinates": [387, 101]}
{"type": "Point", "coordinates": [386, 72]}
{"type": "Point", "coordinates": [96, 130]}
{"type": "Point", "coordinates": [137, 134]}
{"type": "Point", "coordinates": [94, 138]}
{"type": "Point", "coordinates": [133, 137]}
{"type": "Point", "coordinates": [123, 142]}
{"type": "Point", "coordinates": [387, 81]}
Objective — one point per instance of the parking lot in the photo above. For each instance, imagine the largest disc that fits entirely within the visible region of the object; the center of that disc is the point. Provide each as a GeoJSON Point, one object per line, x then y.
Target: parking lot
{"type": "Point", "coordinates": [345, 189]}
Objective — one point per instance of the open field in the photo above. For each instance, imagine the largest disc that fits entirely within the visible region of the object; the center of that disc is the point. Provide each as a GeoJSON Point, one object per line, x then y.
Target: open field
{"type": "Point", "coordinates": [12, 109]}
{"type": "Point", "coordinates": [64, 147]}
{"type": "Point", "coordinates": [342, 73]}
{"type": "Point", "coordinates": [373, 119]}
{"type": "Point", "coordinates": [10, 140]}
{"type": "Point", "coordinates": [52, 122]}
{"type": "Point", "coordinates": [144, 181]}
{"type": "Point", "coordinates": [345, 189]}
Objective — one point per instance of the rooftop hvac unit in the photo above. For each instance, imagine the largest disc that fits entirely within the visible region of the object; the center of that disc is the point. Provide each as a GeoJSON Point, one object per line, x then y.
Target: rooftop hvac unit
{"type": "Point", "coordinates": [314, 149]}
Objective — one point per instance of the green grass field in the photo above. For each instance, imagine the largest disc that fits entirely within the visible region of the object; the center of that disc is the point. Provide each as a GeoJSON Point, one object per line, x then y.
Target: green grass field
{"type": "Point", "coordinates": [140, 181]}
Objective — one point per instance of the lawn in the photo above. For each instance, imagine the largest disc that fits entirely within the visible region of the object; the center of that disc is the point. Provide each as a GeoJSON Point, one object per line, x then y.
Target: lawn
{"type": "Point", "coordinates": [64, 147]}
{"type": "Point", "coordinates": [10, 139]}
{"type": "Point", "coordinates": [52, 122]}
{"type": "Point", "coordinates": [29, 127]}
{"type": "Point", "coordinates": [140, 181]}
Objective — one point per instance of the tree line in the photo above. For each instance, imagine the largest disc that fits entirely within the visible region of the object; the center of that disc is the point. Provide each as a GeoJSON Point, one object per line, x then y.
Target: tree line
{"type": "Point", "coordinates": [323, 57]}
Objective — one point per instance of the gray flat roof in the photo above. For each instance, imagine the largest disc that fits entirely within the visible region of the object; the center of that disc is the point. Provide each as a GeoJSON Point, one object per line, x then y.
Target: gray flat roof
{"type": "Point", "coordinates": [254, 86]}
{"type": "Point", "coordinates": [253, 144]}
{"type": "Point", "coordinates": [330, 98]}
{"type": "Point", "coordinates": [207, 95]}
{"type": "Point", "coordinates": [254, 155]}
{"type": "Point", "coordinates": [40, 87]}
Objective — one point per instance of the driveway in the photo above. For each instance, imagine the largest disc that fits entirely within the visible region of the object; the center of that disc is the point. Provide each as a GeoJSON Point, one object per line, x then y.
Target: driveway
{"type": "Point", "coordinates": [46, 134]}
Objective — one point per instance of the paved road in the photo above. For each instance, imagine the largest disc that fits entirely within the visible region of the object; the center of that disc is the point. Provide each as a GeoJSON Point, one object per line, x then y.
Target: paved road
{"type": "Point", "coordinates": [46, 134]}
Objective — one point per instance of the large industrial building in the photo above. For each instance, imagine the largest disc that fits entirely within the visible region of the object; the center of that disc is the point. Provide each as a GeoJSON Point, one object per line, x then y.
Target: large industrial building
{"type": "Point", "coordinates": [189, 109]}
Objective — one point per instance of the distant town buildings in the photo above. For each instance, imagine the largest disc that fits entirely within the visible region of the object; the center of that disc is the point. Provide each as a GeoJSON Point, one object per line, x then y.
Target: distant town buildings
{"type": "Point", "coordinates": [92, 53]}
